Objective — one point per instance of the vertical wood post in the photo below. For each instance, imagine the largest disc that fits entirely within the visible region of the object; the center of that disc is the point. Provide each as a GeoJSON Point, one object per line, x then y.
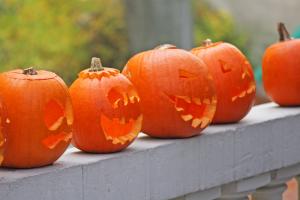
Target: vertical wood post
{"type": "Point", "coordinates": [153, 22]}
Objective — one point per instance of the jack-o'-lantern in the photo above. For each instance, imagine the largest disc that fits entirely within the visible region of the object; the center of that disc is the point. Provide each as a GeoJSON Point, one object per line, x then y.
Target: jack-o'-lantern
{"type": "Point", "coordinates": [3, 118]}
{"type": "Point", "coordinates": [177, 93]}
{"type": "Point", "coordinates": [234, 79]}
{"type": "Point", "coordinates": [37, 127]}
{"type": "Point", "coordinates": [281, 69]}
{"type": "Point", "coordinates": [107, 116]}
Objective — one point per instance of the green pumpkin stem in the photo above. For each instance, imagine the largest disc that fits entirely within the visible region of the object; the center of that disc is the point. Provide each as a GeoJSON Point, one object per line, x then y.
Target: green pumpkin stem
{"type": "Point", "coordinates": [206, 42]}
{"type": "Point", "coordinates": [30, 71]}
{"type": "Point", "coordinates": [96, 65]}
{"type": "Point", "coordinates": [284, 35]}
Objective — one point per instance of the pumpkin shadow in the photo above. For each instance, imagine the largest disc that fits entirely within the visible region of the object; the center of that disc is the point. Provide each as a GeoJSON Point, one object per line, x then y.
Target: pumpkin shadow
{"type": "Point", "coordinates": [286, 107]}
{"type": "Point", "coordinates": [84, 153]}
{"type": "Point", "coordinates": [148, 138]}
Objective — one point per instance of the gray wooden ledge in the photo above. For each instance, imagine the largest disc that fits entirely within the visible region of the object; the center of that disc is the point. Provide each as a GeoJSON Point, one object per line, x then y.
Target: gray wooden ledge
{"type": "Point", "coordinates": [267, 139]}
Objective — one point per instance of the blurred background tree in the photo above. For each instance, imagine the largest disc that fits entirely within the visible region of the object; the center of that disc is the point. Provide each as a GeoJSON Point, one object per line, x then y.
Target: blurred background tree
{"type": "Point", "coordinates": [63, 36]}
{"type": "Point", "coordinates": [217, 25]}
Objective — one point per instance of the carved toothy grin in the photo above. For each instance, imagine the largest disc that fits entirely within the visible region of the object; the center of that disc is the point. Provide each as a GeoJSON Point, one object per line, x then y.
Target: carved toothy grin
{"type": "Point", "coordinates": [245, 92]}
{"type": "Point", "coordinates": [56, 116]}
{"type": "Point", "coordinates": [251, 88]}
{"type": "Point", "coordinates": [120, 130]}
{"type": "Point", "coordinates": [118, 98]}
{"type": "Point", "coordinates": [199, 111]}
{"type": "Point", "coordinates": [53, 140]}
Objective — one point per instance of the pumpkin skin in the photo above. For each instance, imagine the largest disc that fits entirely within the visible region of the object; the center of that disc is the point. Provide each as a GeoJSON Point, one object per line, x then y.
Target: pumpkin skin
{"type": "Point", "coordinates": [281, 66]}
{"type": "Point", "coordinates": [107, 115]}
{"type": "Point", "coordinates": [234, 79]}
{"type": "Point", "coordinates": [3, 118]}
{"type": "Point", "coordinates": [37, 127]}
{"type": "Point", "coordinates": [177, 93]}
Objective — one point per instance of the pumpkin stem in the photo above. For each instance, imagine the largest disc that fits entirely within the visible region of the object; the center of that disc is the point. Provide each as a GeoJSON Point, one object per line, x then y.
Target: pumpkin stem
{"type": "Point", "coordinates": [30, 71]}
{"type": "Point", "coordinates": [96, 65]}
{"type": "Point", "coordinates": [284, 35]}
{"type": "Point", "coordinates": [206, 42]}
{"type": "Point", "coordinates": [165, 46]}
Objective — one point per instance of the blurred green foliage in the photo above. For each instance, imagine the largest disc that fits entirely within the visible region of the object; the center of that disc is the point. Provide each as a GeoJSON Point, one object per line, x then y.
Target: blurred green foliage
{"type": "Point", "coordinates": [62, 36]}
{"type": "Point", "coordinates": [217, 25]}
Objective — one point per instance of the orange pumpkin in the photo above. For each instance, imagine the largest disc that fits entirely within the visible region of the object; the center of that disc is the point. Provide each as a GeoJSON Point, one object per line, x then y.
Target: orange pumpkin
{"type": "Point", "coordinates": [281, 69]}
{"type": "Point", "coordinates": [233, 75]}
{"type": "Point", "coordinates": [37, 127]}
{"type": "Point", "coordinates": [177, 93]}
{"type": "Point", "coordinates": [107, 116]}
{"type": "Point", "coordinates": [3, 118]}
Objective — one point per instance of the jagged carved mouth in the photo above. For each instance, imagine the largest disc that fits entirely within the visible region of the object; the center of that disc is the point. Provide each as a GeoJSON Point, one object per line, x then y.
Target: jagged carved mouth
{"type": "Point", "coordinates": [54, 139]}
{"type": "Point", "coordinates": [124, 128]}
{"type": "Point", "coordinates": [121, 130]}
{"type": "Point", "coordinates": [58, 120]}
{"type": "Point", "coordinates": [251, 87]}
{"type": "Point", "coordinates": [245, 92]}
{"type": "Point", "coordinates": [196, 110]}
{"type": "Point", "coordinates": [239, 94]}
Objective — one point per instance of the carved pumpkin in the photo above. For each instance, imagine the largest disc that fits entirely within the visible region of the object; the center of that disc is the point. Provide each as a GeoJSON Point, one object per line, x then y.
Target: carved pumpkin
{"type": "Point", "coordinates": [177, 93]}
{"type": "Point", "coordinates": [37, 128]}
{"type": "Point", "coordinates": [281, 69]}
{"type": "Point", "coordinates": [106, 110]}
{"type": "Point", "coordinates": [3, 120]}
{"type": "Point", "coordinates": [233, 75]}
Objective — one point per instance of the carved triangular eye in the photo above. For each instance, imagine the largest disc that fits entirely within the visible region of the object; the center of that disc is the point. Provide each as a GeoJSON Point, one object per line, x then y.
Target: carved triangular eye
{"type": "Point", "coordinates": [53, 115]}
{"type": "Point", "coordinates": [224, 66]}
{"type": "Point", "coordinates": [114, 97]}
